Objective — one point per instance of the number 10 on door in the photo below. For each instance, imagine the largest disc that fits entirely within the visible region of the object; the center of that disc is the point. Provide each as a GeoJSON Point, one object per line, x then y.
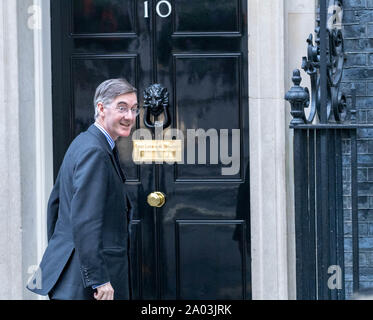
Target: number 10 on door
{"type": "Point", "coordinates": [163, 8]}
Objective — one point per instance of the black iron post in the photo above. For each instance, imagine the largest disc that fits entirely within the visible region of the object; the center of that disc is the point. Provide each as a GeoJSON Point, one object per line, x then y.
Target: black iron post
{"type": "Point", "coordinates": [304, 218]}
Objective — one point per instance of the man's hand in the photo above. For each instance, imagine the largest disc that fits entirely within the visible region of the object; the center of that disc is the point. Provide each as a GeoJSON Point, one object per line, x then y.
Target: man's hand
{"type": "Point", "coordinates": [105, 292]}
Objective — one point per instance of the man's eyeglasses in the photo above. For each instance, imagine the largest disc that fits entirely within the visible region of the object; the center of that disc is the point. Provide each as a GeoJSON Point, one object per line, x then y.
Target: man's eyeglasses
{"type": "Point", "coordinates": [123, 110]}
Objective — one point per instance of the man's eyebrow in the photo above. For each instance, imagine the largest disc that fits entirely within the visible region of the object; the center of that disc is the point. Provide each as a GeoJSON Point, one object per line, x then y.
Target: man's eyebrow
{"type": "Point", "coordinates": [126, 103]}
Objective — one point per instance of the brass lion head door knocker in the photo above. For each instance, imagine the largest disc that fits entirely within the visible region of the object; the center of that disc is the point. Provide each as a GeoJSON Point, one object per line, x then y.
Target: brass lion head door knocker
{"type": "Point", "coordinates": [155, 103]}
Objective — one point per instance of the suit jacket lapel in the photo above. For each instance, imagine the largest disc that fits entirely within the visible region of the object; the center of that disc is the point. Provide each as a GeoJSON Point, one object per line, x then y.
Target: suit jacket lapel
{"type": "Point", "coordinates": [117, 163]}
{"type": "Point", "coordinates": [117, 169]}
{"type": "Point", "coordinates": [103, 142]}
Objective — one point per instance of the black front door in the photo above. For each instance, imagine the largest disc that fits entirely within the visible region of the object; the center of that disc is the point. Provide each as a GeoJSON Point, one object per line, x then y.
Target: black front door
{"type": "Point", "coordinates": [197, 245]}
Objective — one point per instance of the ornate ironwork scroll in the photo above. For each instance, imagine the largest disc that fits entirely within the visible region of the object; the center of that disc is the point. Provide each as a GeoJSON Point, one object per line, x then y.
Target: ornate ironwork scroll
{"type": "Point", "coordinates": [336, 100]}
{"type": "Point", "coordinates": [155, 103]}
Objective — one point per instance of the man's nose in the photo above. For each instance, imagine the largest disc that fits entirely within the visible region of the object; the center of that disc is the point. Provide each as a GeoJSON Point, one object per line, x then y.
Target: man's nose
{"type": "Point", "coordinates": [129, 115]}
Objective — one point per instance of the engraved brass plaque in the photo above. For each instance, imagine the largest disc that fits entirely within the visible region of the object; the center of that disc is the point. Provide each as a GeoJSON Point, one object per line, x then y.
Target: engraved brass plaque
{"type": "Point", "coordinates": [157, 151]}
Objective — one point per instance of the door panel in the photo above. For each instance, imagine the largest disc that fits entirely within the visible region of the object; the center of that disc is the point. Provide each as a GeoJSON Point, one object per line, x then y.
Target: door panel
{"type": "Point", "coordinates": [109, 16]}
{"type": "Point", "coordinates": [197, 246]}
{"type": "Point", "coordinates": [220, 273]}
{"type": "Point", "coordinates": [207, 96]}
{"type": "Point", "coordinates": [207, 16]}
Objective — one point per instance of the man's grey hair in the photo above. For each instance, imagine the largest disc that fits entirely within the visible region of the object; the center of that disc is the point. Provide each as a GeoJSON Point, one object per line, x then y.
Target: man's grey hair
{"type": "Point", "coordinates": [107, 91]}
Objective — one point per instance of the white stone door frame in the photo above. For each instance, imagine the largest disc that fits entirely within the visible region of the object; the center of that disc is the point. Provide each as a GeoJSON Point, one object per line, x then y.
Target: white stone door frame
{"type": "Point", "coordinates": [278, 30]}
{"type": "Point", "coordinates": [34, 19]}
{"type": "Point", "coordinates": [267, 149]}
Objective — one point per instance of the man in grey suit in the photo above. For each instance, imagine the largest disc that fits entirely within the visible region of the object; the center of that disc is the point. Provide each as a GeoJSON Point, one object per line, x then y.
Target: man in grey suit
{"type": "Point", "coordinates": [89, 210]}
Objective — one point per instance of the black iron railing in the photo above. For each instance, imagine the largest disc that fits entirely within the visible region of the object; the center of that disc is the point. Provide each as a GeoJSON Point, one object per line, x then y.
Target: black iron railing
{"type": "Point", "coordinates": [318, 163]}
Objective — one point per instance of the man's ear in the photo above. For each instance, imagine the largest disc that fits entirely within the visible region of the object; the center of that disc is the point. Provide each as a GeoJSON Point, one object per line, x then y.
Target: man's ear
{"type": "Point", "coordinates": [100, 107]}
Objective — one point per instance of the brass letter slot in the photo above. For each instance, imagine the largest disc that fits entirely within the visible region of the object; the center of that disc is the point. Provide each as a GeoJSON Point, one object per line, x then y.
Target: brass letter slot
{"type": "Point", "coordinates": [157, 151]}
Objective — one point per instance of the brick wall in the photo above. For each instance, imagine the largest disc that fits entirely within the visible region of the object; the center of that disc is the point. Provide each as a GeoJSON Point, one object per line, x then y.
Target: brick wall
{"type": "Point", "coordinates": [358, 34]}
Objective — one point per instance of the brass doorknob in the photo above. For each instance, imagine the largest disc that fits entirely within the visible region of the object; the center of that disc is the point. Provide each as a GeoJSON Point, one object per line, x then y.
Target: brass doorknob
{"type": "Point", "coordinates": [156, 199]}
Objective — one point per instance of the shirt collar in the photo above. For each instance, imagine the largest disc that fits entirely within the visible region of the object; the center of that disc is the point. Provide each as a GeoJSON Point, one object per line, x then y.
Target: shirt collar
{"type": "Point", "coordinates": [107, 136]}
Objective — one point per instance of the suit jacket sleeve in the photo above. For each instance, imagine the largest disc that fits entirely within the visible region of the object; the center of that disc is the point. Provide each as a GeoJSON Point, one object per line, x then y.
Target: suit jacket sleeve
{"type": "Point", "coordinates": [90, 183]}
{"type": "Point", "coordinates": [53, 207]}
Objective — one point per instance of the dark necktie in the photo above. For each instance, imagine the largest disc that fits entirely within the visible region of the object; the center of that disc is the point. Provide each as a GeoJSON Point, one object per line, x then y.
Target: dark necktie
{"type": "Point", "coordinates": [116, 157]}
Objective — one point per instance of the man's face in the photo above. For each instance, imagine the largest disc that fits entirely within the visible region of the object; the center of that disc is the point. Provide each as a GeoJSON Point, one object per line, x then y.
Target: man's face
{"type": "Point", "coordinates": [118, 124]}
